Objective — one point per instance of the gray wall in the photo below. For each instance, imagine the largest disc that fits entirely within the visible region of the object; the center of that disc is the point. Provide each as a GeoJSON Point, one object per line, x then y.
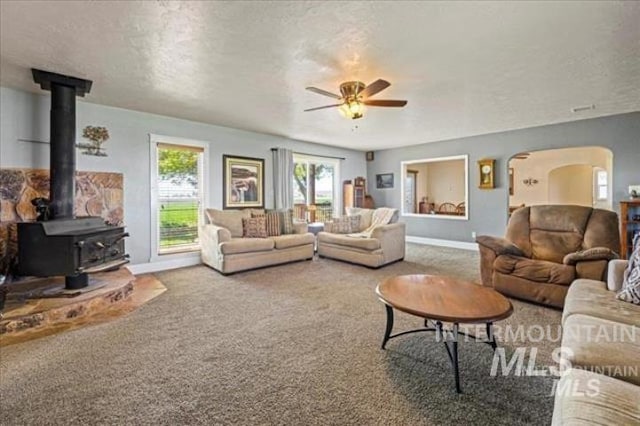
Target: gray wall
{"type": "Point", "coordinates": [26, 116]}
{"type": "Point", "coordinates": [488, 208]}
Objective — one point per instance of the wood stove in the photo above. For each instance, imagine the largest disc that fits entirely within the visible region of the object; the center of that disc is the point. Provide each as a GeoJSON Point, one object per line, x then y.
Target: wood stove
{"type": "Point", "coordinates": [59, 243]}
{"type": "Point", "coordinates": [70, 247]}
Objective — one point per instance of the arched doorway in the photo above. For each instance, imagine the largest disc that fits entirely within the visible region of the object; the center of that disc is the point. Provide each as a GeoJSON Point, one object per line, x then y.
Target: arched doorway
{"type": "Point", "coordinates": [572, 184]}
{"type": "Point", "coordinates": [532, 180]}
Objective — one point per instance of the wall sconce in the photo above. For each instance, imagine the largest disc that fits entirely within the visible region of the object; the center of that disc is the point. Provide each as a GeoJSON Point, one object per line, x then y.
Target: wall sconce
{"type": "Point", "coordinates": [530, 181]}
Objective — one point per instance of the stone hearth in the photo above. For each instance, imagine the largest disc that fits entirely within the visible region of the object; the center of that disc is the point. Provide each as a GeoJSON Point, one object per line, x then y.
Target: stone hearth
{"type": "Point", "coordinates": [31, 312]}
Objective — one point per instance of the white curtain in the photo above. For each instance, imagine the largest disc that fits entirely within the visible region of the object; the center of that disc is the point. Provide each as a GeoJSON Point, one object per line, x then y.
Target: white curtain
{"type": "Point", "coordinates": [283, 178]}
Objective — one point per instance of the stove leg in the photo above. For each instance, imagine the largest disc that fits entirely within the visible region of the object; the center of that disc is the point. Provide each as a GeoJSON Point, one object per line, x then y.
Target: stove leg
{"type": "Point", "coordinates": [75, 282]}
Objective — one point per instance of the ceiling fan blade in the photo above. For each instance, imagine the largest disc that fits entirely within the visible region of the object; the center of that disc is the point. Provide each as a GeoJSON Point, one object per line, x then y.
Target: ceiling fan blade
{"type": "Point", "coordinates": [385, 103]}
{"type": "Point", "coordinates": [323, 92]}
{"type": "Point", "coordinates": [322, 107]}
{"type": "Point", "coordinates": [375, 87]}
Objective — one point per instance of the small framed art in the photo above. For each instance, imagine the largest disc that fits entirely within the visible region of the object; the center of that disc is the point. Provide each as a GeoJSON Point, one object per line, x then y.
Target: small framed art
{"type": "Point", "coordinates": [384, 181]}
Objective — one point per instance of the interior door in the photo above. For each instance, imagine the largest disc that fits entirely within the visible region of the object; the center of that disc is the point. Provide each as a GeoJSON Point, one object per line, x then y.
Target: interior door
{"type": "Point", "coordinates": [410, 192]}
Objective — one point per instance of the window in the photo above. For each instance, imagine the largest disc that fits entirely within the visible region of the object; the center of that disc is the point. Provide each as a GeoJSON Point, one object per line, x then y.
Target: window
{"type": "Point", "coordinates": [602, 187]}
{"type": "Point", "coordinates": [315, 191]}
{"type": "Point", "coordinates": [177, 194]}
{"type": "Point", "coordinates": [436, 187]}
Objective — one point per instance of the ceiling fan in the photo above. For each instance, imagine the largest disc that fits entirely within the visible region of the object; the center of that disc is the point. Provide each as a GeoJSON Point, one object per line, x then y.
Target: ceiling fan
{"type": "Point", "coordinates": [355, 95]}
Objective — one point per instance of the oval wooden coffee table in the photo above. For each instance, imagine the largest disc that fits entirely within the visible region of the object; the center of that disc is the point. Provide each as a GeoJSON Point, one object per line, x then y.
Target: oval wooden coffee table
{"type": "Point", "coordinates": [443, 299]}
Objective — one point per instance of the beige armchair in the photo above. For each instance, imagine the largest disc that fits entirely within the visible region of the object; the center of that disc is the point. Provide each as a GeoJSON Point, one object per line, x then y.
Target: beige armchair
{"type": "Point", "coordinates": [546, 248]}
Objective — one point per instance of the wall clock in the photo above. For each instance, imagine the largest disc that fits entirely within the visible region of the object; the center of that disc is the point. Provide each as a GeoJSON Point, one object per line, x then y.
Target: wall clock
{"type": "Point", "coordinates": [487, 173]}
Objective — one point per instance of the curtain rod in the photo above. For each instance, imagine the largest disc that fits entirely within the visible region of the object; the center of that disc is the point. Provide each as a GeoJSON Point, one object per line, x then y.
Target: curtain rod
{"type": "Point", "coordinates": [314, 155]}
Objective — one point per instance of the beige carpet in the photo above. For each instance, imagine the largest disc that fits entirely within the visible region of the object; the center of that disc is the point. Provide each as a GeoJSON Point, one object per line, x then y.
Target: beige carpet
{"type": "Point", "coordinates": [295, 344]}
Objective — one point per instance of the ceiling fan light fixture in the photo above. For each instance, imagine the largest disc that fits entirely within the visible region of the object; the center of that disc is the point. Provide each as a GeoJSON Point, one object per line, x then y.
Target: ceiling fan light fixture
{"type": "Point", "coordinates": [344, 110]}
{"type": "Point", "coordinates": [352, 109]}
{"type": "Point", "coordinates": [356, 109]}
{"type": "Point", "coordinates": [355, 95]}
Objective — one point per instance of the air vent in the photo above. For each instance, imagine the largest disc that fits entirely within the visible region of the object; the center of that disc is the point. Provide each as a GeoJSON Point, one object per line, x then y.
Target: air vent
{"type": "Point", "coordinates": [583, 108]}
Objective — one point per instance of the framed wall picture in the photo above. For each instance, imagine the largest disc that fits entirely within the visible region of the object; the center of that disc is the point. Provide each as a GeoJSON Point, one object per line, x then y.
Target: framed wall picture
{"type": "Point", "coordinates": [369, 156]}
{"type": "Point", "coordinates": [487, 174]}
{"type": "Point", "coordinates": [384, 181]}
{"type": "Point", "coordinates": [242, 182]}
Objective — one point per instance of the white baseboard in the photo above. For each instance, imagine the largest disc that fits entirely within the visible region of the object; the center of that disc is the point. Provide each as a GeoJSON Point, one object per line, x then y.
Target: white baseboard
{"type": "Point", "coordinates": [163, 265]}
{"type": "Point", "coordinates": [442, 243]}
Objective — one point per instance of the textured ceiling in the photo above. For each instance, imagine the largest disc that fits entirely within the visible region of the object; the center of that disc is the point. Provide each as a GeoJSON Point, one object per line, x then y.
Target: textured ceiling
{"type": "Point", "coordinates": [465, 68]}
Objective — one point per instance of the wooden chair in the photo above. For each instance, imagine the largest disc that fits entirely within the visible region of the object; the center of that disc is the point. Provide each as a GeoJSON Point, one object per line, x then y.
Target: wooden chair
{"type": "Point", "coordinates": [447, 208]}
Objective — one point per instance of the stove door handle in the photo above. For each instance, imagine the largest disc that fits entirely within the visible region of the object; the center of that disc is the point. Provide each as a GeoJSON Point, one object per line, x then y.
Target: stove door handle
{"type": "Point", "coordinates": [121, 236]}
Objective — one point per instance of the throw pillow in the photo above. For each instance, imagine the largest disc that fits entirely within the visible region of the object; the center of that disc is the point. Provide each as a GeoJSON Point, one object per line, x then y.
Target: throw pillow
{"type": "Point", "coordinates": [341, 225]}
{"type": "Point", "coordinates": [631, 286]}
{"type": "Point", "coordinates": [272, 219]}
{"type": "Point", "coordinates": [228, 219]}
{"type": "Point", "coordinates": [366, 215]}
{"type": "Point", "coordinates": [255, 212]}
{"type": "Point", "coordinates": [355, 222]}
{"type": "Point", "coordinates": [254, 227]}
{"type": "Point", "coordinates": [286, 221]}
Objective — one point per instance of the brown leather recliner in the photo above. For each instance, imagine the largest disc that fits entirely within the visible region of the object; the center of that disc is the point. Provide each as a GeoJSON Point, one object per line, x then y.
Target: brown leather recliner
{"type": "Point", "coordinates": [546, 248]}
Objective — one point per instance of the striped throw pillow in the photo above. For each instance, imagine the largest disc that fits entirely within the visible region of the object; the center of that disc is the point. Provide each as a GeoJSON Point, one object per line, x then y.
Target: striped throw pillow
{"type": "Point", "coordinates": [340, 225]}
{"type": "Point", "coordinates": [286, 221]}
{"type": "Point", "coordinates": [254, 227]}
{"type": "Point", "coordinates": [273, 223]}
{"type": "Point", "coordinates": [355, 223]}
{"type": "Point", "coordinates": [631, 287]}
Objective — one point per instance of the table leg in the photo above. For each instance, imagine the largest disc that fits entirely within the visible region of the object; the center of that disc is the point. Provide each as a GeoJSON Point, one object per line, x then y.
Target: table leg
{"type": "Point", "coordinates": [439, 333]}
{"type": "Point", "coordinates": [452, 350]}
{"type": "Point", "coordinates": [454, 357]}
{"type": "Point", "coordinates": [387, 332]}
{"type": "Point", "coordinates": [491, 336]}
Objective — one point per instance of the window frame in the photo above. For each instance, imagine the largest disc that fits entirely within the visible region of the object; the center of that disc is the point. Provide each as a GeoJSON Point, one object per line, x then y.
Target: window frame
{"type": "Point", "coordinates": [597, 185]}
{"type": "Point", "coordinates": [154, 230]}
{"type": "Point", "coordinates": [404, 166]}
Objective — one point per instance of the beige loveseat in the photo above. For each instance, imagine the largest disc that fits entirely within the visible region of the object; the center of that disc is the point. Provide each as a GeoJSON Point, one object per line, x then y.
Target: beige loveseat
{"type": "Point", "coordinates": [225, 250]}
{"type": "Point", "coordinates": [385, 245]}
{"type": "Point", "coordinates": [601, 340]}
